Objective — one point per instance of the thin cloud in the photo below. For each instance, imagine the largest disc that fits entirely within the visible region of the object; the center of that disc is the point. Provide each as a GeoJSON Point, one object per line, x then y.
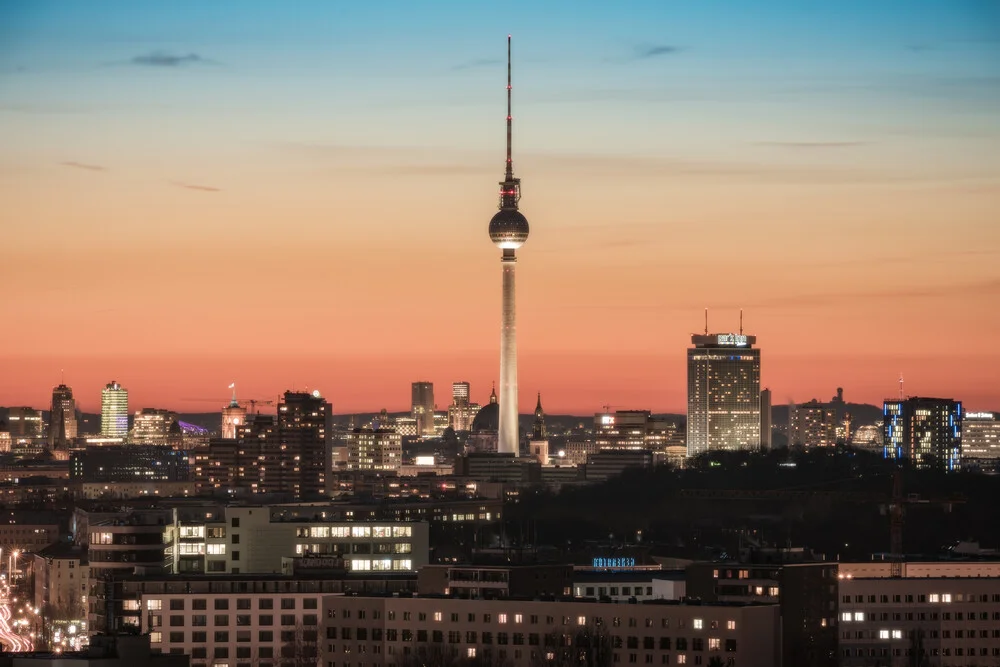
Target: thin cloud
{"type": "Point", "coordinates": [83, 165]}
{"type": "Point", "coordinates": [655, 50]}
{"type": "Point", "coordinates": [920, 48]}
{"type": "Point", "coordinates": [200, 188]}
{"type": "Point", "coordinates": [164, 59]}
{"type": "Point", "coordinates": [813, 144]}
{"type": "Point", "coordinates": [480, 62]}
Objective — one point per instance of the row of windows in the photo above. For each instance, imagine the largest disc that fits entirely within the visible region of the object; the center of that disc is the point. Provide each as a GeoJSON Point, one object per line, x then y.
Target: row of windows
{"type": "Point", "coordinates": [220, 604]}
{"type": "Point", "coordinates": [885, 652]}
{"type": "Point", "coordinates": [355, 531]}
{"type": "Point", "coordinates": [931, 634]}
{"type": "Point", "coordinates": [533, 619]}
{"type": "Point", "coordinates": [241, 636]}
{"type": "Point", "coordinates": [222, 620]}
{"type": "Point", "coordinates": [932, 598]}
{"type": "Point", "coordinates": [531, 639]}
{"type": "Point", "coordinates": [860, 616]}
{"type": "Point", "coordinates": [502, 655]}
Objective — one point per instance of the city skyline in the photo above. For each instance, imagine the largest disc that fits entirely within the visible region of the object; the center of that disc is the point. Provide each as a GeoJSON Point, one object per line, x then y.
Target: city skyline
{"type": "Point", "coordinates": [848, 199]}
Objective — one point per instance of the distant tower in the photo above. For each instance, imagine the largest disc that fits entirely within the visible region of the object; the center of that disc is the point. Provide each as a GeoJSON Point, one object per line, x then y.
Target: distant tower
{"type": "Point", "coordinates": [114, 411]}
{"type": "Point", "coordinates": [508, 231]}
{"type": "Point", "coordinates": [62, 417]}
{"type": "Point", "coordinates": [538, 446]}
{"type": "Point", "coordinates": [233, 416]}
{"type": "Point", "coordinates": [538, 428]}
{"type": "Point", "coordinates": [422, 406]}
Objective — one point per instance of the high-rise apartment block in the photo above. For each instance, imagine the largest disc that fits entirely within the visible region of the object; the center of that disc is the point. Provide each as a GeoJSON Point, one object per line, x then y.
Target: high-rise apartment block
{"type": "Point", "coordinates": [927, 431]}
{"type": "Point", "coordinates": [304, 451]}
{"type": "Point", "coordinates": [723, 393]}
{"type": "Point", "coordinates": [62, 417]}
{"type": "Point", "coordinates": [374, 449]}
{"type": "Point", "coordinates": [422, 407]}
{"type": "Point", "coordinates": [812, 424]}
{"type": "Point", "coordinates": [114, 411]}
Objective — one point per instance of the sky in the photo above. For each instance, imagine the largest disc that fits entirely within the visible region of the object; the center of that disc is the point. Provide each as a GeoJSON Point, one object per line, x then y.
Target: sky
{"type": "Point", "coordinates": [296, 196]}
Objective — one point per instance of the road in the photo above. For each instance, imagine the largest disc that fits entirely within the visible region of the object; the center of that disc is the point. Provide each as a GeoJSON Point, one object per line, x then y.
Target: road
{"type": "Point", "coordinates": [11, 641]}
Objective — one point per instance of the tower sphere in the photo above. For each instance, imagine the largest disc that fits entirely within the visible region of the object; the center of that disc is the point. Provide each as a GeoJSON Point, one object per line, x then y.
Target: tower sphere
{"type": "Point", "coordinates": [509, 229]}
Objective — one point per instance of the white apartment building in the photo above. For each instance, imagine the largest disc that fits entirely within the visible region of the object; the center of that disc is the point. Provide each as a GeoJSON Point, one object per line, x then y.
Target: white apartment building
{"type": "Point", "coordinates": [948, 610]}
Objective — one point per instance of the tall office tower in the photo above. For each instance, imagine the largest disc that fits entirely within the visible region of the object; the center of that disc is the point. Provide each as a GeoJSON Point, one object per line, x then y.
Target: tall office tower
{"type": "Point", "coordinates": [374, 449]}
{"type": "Point", "coordinates": [459, 393]}
{"type": "Point", "coordinates": [508, 231]}
{"type": "Point", "coordinates": [233, 415]}
{"type": "Point", "coordinates": [304, 426]}
{"type": "Point", "coordinates": [980, 438]}
{"type": "Point", "coordinates": [422, 407]}
{"type": "Point", "coordinates": [151, 426]}
{"type": "Point", "coordinates": [812, 424]}
{"type": "Point", "coordinates": [114, 411]}
{"type": "Point", "coordinates": [927, 431]}
{"type": "Point", "coordinates": [62, 417]}
{"type": "Point", "coordinates": [723, 393]}
{"type": "Point", "coordinates": [765, 419]}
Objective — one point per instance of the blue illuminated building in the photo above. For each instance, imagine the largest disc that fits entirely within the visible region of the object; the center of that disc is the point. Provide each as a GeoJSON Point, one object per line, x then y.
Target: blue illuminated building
{"type": "Point", "coordinates": [925, 431]}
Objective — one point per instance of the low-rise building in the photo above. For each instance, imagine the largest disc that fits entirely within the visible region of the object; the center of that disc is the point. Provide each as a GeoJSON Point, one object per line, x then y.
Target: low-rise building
{"type": "Point", "coordinates": [495, 581]}
{"type": "Point", "coordinates": [397, 631]}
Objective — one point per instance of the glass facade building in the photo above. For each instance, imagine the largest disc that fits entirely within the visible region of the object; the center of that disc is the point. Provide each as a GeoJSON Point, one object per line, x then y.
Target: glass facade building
{"type": "Point", "coordinates": [927, 431]}
{"type": "Point", "coordinates": [723, 393]}
{"type": "Point", "coordinates": [114, 411]}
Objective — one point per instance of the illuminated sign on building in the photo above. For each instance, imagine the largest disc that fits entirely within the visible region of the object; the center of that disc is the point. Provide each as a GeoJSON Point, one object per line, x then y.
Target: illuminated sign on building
{"type": "Point", "coordinates": [979, 415]}
{"type": "Point", "coordinates": [614, 562]}
{"type": "Point", "coordinates": [736, 340]}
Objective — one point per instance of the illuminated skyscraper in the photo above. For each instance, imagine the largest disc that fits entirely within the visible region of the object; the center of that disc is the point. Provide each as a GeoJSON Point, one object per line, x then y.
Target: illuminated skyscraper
{"type": "Point", "coordinates": [981, 437]}
{"type": "Point", "coordinates": [152, 426]}
{"type": "Point", "coordinates": [508, 231]}
{"type": "Point", "coordinates": [374, 449]}
{"type": "Point", "coordinates": [114, 411]}
{"type": "Point", "coordinates": [812, 424]}
{"type": "Point", "coordinates": [62, 417]}
{"type": "Point", "coordinates": [927, 431]}
{"type": "Point", "coordinates": [422, 407]}
{"type": "Point", "coordinates": [461, 412]}
{"type": "Point", "coordinates": [723, 393]}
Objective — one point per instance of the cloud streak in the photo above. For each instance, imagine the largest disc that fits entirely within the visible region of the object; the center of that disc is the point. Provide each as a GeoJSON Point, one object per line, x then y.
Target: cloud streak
{"type": "Point", "coordinates": [165, 59]}
{"type": "Point", "coordinates": [83, 165]}
{"type": "Point", "coordinates": [192, 186]}
{"type": "Point", "coordinates": [479, 62]}
{"type": "Point", "coordinates": [813, 144]}
{"type": "Point", "coordinates": [655, 51]}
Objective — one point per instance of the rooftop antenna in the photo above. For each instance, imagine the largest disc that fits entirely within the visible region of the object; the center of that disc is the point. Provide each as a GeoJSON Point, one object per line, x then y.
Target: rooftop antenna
{"type": "Point", "coordinates": [741, 321]}
{"type": "Point", "coordinates": [706, 321]}
{"type": "Point", "coordinates": [901, 386]}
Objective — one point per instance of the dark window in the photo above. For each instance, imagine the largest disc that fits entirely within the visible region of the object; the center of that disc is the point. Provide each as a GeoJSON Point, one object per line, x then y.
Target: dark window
{"type": "Point", "coordinates": [221, 620]}
{"type": "Point", "coordinates": [265, 636]}
{"type": "Point", "coordinates": [243, 603]}
{"type": "Point", "coordinates": [199, 637]}
{"type": "Point", "coordinates": [265, 603]}
{"type": "Point", "coordinates": [288, 603]}
{"type": "Point", "coordinates": [265, 619]}
{"type": "Point", "coordinates": [176, 637]}
{"type": "Point", "coordinates": [236, 522]}
{"type": "Point", "coordinates": [221, 636]}
{"type": "Point", "coordinates": [177, 605]}
{"type": "Point", "coordinates": [177, 621]}
{"type": "Point", "coordinates": [236, 555]}
{"type": "Point", "coordinates": [199, 604]}
{"type": "Point", "coordinates": [222, 603]}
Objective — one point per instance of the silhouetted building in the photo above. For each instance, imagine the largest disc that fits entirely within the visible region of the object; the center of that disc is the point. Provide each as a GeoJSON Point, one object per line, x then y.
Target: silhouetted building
{"type": "Point", "coordinates": [927, 431]}
{"type": "Point", "coordinates": [129, 463]}
{"type": "Point", "coordinates": [806, 593]}
{"type": "Point", "coordinates": [62, 417]}
{"type": "Point", "coordinates": [303, 452]}
{"type": "Point", "coordinates": [608, 463]}
{"type": "Point", "coordinates": [723, 393]}
{"type": "Point", "coordinates": [765, 419]}
{"type": "Point", "coordinates": [495, 581]}
{"type": "Point", "coordinates": [422, 407]}
{"type": "Point", "coordinates": [114, 411]}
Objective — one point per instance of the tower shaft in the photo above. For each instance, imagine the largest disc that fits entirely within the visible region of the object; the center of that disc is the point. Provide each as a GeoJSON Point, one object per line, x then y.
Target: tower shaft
{"type": "Point", "coordinates": [507, 437]}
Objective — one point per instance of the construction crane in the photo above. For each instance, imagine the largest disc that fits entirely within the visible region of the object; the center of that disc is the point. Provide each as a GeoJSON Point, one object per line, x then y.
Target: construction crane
{"type": "Point", "coordinates": [253, 403]}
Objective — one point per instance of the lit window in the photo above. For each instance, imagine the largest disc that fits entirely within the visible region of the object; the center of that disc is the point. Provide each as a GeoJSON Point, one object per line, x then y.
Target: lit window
{"type": "Point", "coordinates": [155, 637]}
{"type": "Point", "coordinates": [730, 625]}
{"type": "Point", "coordinates": [154, 605]}
{"type": "Point", "coordinates": [946, 597]}
{"type": "Point", "coordinates": [501, 618]}
{"type": "Point", "coordinates": [698, 624]}
{"type": "Point", "coordinates": [437, 616]}
{"type": "Point", "coordinates": [883, 634]}
{"type": "Point", "coordinates": [581, 620]}
{"type": "Point", "coordinates": [846, 616]}
{"type": "Point", "coordinates": [518, 618]}
{"type": "Point", "coordinates": [933, 597]}
{"type": "Point", "coordinates": [859, 616]}
{"type": "Point", "coordinates": [897, 634]}
{"type": "Point", "coordinates": [714, 643]}
{"type": "Point", "coordinates": [470, 652]}
{"type": "Point", "coordinates": [682, 660]}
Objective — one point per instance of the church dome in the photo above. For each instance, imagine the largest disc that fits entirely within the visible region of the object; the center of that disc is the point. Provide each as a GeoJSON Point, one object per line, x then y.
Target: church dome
{"type": "Point", "coordinates": [488, 418]}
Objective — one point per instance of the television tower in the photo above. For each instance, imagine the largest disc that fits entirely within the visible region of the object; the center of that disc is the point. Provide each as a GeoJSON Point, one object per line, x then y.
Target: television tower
{"type": "Point", "coordinates": [508, 231]}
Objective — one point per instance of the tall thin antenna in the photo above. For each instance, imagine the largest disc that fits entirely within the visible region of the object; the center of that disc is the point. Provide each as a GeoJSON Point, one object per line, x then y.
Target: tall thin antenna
{"type": "Point", "coordinates": [901, 387]}
{"type": "Point", "coordinates": [706, 321]}
{"type": "Point", "coordinates": [509, 173]}
{"type": "Point", "coordinates": [741, 321]}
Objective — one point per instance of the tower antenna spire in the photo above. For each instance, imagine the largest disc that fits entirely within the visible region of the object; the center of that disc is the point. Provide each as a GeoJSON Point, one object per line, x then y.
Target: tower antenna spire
{"type": "Point", "coordinates": [509, 173]}
{"type": "Point", "coordinates": [741, 321]}
{"type": "Point", "coordinates": [706, 321]}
